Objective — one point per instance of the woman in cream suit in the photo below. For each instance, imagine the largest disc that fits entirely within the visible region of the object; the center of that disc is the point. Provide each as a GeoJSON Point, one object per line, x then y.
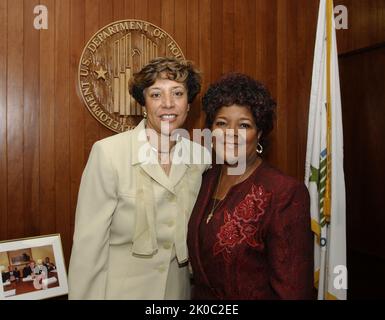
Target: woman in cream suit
{"type": "Point", "coordinates": [136, 195]}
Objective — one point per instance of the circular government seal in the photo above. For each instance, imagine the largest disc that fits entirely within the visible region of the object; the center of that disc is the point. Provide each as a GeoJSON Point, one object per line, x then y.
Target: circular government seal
{"type": "Point", "coordinates": [109, 60]}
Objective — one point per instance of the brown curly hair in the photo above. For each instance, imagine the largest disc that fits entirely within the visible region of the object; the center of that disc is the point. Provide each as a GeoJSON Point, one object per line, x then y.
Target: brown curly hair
{"type": "Point", "coordinates": [182, 71]}
{"type": "Point", "coordinates": [242, 90]}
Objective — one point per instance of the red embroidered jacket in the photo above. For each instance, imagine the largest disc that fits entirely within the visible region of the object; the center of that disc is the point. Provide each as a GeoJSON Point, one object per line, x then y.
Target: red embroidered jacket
{"type": "Point", "coordinates": [258, 244]}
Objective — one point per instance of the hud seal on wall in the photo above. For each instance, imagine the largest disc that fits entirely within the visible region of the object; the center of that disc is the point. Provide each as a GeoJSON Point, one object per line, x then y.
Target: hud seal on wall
{"type": "Point", "coordinates": [108, 61]}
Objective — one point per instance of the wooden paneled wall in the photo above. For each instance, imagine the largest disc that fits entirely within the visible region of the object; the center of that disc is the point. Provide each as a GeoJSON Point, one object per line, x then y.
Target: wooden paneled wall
{"type": "Point", "coordinates": [362, 66]}
{"type": "Point", "coordinates": [366, 26]}
{"type": "Point", "coordinates": [46, 132]}
{"type": "Point", "coordinates": [363, 94]}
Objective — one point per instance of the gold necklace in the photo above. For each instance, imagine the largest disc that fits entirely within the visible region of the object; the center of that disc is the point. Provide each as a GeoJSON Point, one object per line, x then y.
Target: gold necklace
{"type": "Point", "coordinates": [215, 203]}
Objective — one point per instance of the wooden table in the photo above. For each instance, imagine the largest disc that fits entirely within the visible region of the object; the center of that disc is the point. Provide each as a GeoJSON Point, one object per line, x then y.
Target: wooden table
{"type": "Point", "coordinates": [27, 286]}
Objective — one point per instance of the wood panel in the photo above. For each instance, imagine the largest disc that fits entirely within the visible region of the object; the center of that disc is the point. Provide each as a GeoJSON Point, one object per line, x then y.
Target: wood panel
{"type": "Point", "coordinates": [15, 120]}
{"type": "Point", "coordinates": [366, 24]}
{"type": "Point", "coordinates": [129, 9]}
{"type": "Point", "coordinates": [216, 39]}
{"type": "Point", "coordinates": [47, 125]}
{"type": "Point", "coordinates": [76, 108]}
{"type": "Point", "coordinates": [31, 174]}
{"type": "Point", "coordinates": [280, 137]}
{"type": "Point", "coordinates": [3, 121]}
{"type": "Point", "coordinates": [155, 12]}
{"type": "Point", "coordinates": [118, 8]}
{"type": "Point", "coordinates": [62, 123]}
{"type": "Point", "coordinates": [46, 133]}
{"type": "Point", "coordinates": [292, 86]}
{"type": "Point", "coordinates": [245, 44]}
{"type": "Point", "coordinates": [267, 61]}
{"type": "Point", "coordinates": [180, 37]}
{"type": "Point", "coordinates": [302, 63]}
{"type": "Point", "coordinates": [141, 9]}
{"type": "Point", "coordinates": [228, 32]}
{"type": "Point", "coordinates": [204, 45]}
{"type": "Point", "coordinates": [363, 97]}
{"type": "Point", "coordinates": [168, 16]}
{"type": "Point", "coordinates": [106, 16]}
{"type": "Point", "coordinates": [192, 53]}
{"type": "Point", "coordinates": [90, 27]}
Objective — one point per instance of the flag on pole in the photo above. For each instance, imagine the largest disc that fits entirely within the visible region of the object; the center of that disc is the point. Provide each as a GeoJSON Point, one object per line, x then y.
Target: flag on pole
{"type": "Point", "coordinates": [324, 175]}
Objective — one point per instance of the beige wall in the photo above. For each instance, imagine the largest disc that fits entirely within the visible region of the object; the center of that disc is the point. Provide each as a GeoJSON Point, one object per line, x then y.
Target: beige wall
{"type": "Point", "coordinates": [42, 253]}
{"type": "Point", "coordinates": [4, 260]}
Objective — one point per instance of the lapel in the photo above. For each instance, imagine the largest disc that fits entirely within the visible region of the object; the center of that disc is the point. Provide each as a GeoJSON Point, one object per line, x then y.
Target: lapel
{"type": "Point", "coordinates": [156, 172]}
{"type": "Point", "coordinates": [143, 155]}
{"type": "Point", "coordinates": [181, 161]}
{"type": "Point", "coordinates": [177, 172]}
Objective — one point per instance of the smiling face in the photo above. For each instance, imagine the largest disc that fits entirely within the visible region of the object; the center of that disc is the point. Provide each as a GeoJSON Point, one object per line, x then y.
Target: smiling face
{"type": "Point", "coordinates": [166, 105]}
{"type": "Point", "coordinates": [236, 144]}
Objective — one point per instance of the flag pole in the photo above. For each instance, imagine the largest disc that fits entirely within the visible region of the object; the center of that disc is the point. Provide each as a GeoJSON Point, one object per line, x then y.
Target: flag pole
{"type": "Point", "coordinates": [329, 26]}
{"type": "Point", "coordinates": [327, 208]}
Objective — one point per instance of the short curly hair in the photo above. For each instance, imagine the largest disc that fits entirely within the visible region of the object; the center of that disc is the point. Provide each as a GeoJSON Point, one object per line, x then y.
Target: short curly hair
{"type": "Point", "coordinates": [242, 90]}
{"type": "Point", "coordinates": [182, 71]}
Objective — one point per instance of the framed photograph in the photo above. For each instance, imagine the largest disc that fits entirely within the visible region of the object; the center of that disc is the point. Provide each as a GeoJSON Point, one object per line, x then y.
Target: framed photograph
{"type": "Point", "coordinates": [32, 268]}
{"type": "Point", "coordinates": [19, 257]}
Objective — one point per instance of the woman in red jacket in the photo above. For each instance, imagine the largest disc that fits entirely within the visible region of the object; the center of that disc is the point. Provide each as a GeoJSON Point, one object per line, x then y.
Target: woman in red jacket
{"type": "Point", "coordinates": [249, 234]}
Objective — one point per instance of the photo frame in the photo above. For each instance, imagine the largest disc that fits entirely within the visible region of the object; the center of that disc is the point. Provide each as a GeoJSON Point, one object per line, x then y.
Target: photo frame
{"type": "Point", "coordinates": [32, 268]}
{"type": "Point", "coordinates": [19, 257]}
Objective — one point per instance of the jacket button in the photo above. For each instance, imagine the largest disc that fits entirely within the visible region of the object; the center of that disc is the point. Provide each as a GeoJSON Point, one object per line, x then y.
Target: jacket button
{"type": "Point", "coordinates": [167, 245]}
{"type": "Point", "coordinates": [162, 268]}
{"type": "Point", "coordinates": [171, 223]}
{"type": "Point", "coordinates": [171, 197]}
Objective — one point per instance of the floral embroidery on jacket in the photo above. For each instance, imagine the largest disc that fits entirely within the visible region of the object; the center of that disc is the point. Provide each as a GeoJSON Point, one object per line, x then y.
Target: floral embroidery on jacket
{"type": "Point", "coordinates": [241, 225]}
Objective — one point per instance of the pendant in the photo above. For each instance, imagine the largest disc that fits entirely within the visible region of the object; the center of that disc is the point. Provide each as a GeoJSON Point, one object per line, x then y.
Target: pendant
{"type": "Point", "coordinates": [209, 217]}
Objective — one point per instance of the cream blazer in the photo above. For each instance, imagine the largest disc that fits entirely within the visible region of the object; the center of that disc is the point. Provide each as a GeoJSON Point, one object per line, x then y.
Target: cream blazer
{"type": "Point", "coordinates": [131, 220]}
